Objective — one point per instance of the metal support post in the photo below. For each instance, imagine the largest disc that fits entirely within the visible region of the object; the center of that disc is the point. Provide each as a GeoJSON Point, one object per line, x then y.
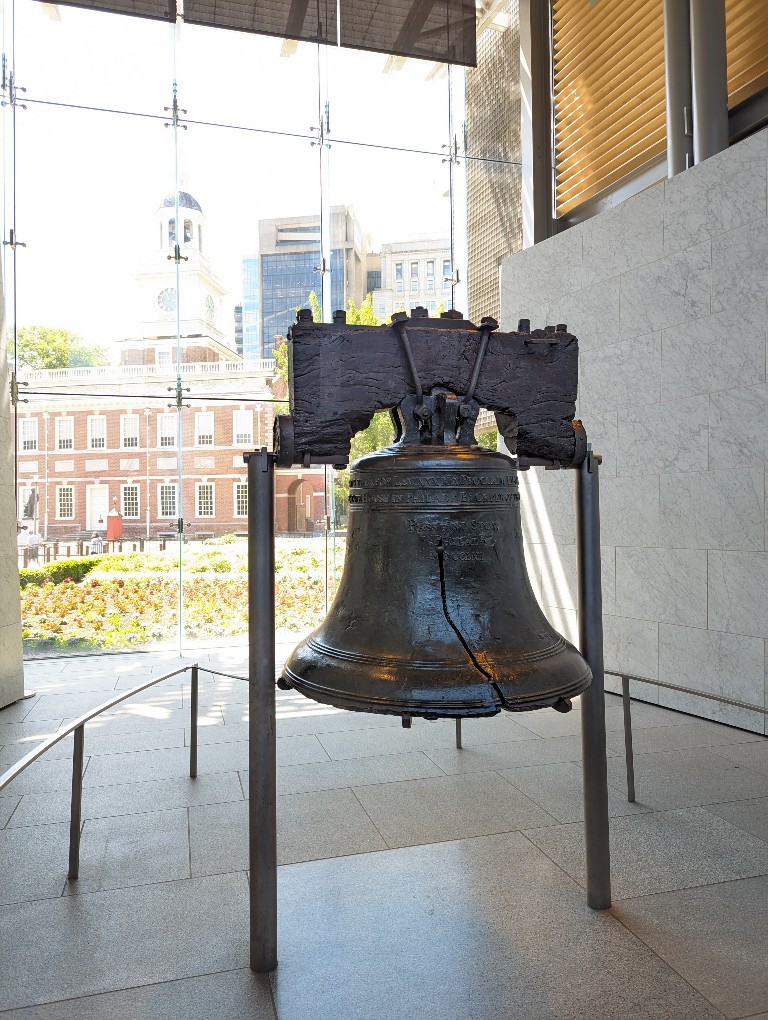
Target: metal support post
{"type": "Point", "coordinates": [536, 116]}
{"type": "Point", "coordinates": [629, 754]}
{"type": "Point", "coordinates": [458, 733]}
{"type": "Point", "coordinates": [677, 79]}
{"type": "Point", "coordinates": [710, 78]}
{"type": "Point", "coordinates": [262, 781]}
{"type": "Point", "coordinates": [594, 763]}
{"type": "Point", "coordinates": [76, 809]}
{"type": "Point", "coordinates": [193, 724]}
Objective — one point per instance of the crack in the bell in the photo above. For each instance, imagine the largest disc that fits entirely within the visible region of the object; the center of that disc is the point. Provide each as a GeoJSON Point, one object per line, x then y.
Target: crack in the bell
{"type": "Point", "coordinates": [457, 632]}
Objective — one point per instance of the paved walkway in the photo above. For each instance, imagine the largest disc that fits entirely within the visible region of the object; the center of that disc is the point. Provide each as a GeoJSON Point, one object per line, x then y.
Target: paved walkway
{"type": "Point", "coordinates": [416, 880]}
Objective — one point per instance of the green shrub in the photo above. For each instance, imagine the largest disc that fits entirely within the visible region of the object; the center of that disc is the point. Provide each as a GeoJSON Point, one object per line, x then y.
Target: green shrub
{"type": "Point", "coordinates": [220, 540]}
{"type": "Point", "coordinates": [75, 570]}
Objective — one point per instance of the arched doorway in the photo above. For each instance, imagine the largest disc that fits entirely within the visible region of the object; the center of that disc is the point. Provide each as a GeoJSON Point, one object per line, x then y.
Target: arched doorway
{"type": "Point", "coordinates": [297, 513]}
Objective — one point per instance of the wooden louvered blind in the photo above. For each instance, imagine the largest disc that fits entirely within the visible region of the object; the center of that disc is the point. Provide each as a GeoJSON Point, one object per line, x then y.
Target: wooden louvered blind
{"type": "Point", "coordinates": [746, 33]}
{"type": "Point", "coordinates": [609, 107]}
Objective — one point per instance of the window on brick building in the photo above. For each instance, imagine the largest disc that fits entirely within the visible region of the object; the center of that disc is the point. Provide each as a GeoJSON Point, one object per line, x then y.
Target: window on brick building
{"type": "Point", "coordinates": [65, 502]}
{"type": "Point", "coordinates": [242, 428]}
{"type": "Point", "coordinates": [97, 432]}
{"type": "Point", "coordinates": [204, 428]}
{"type": "Point", "coordinates": [29, 433]}
{"type": "Point", "coordinates": [65, 433]}
{"type": "Point", "coordinates": [241, 499]}
{"type": "Point", "coordinates": [166, 430]}
{"type": "Point", "coordinates": [166, 499]}
{"type": "Point", "coordinates": [28, 503]}
{"type": "Point", "coordinates": [205, 499]}
{"type": "Point", "coordinates": [129, 431]}
{"type": "Point", "coordinates": [130, 501]}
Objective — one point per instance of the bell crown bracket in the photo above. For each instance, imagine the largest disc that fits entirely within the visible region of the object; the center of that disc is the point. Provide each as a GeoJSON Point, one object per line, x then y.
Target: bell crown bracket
{"type": "Point", "coordinates": [433, 375]}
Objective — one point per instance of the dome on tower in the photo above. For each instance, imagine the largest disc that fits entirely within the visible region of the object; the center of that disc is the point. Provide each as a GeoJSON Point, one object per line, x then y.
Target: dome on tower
{"type": "Point", "coordinates": [186, 201]}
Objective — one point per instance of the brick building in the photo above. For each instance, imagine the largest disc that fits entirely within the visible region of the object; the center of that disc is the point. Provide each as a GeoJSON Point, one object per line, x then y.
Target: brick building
{"type": "Point", "coordinates": [81, 455]}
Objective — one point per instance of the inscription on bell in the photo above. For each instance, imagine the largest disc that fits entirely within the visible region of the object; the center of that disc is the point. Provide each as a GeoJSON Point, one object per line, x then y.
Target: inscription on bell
{"type": "Point", "coordinates": [458, 533]}
{"type": "Point", "coordinates": [433, 480]}
{"type": "Point", "coordinates": [441, 498]}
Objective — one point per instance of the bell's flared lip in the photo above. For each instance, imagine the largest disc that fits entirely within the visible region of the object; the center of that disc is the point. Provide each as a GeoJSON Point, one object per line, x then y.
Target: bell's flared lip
{"type": "Point", "coordinates": [424, 703]}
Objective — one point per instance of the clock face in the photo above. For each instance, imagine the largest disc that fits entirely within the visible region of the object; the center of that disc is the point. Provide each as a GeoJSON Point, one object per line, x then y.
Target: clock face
{"type": "Point", "coordinates": [167, 299]}
{"type": "Point", "coordinates": [210, 308]}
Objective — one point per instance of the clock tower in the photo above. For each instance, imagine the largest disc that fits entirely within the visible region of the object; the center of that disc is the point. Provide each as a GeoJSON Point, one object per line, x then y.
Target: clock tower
{"type": "Point", "coordinates": [190, 303]}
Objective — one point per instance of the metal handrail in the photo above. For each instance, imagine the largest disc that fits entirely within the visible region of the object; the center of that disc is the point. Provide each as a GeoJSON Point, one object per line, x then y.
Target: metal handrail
{"type": "Point", "coordinates": [688, 690]}
{"type": "Point", "coordinates": [77, 726]}
{"type": "Point", "coordinates": [628, 750]}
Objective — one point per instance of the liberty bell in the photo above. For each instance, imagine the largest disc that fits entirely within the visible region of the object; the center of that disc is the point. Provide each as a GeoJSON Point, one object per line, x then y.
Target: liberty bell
{"type": "Point", "coordinates": [434, 615]}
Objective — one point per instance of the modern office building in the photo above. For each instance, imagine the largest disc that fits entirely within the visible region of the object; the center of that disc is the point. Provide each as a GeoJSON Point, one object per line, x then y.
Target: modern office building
{"type": "Point", "coordinates": [287, 268]}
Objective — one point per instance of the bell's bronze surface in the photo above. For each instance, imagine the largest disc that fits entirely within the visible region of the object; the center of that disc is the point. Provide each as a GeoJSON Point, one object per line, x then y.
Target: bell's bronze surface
{"type": "Point", "coordinates": [435, 615]}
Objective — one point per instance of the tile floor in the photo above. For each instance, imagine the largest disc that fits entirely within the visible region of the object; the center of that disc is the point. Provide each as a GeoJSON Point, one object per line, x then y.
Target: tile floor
{"type": "Point", "coordinates": [416, 880]}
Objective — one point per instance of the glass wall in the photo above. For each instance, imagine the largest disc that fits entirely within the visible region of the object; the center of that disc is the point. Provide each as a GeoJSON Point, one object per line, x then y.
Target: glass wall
{"type": "Point", "coordinates": [173, 195]}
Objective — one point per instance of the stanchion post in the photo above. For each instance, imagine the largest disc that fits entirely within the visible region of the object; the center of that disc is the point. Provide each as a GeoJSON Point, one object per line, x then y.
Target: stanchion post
{"type": "Point", "coordinates": [629, 755]}
{"type": "Point", "coordinates": [76, 808]}
{"type": "Point", "coordinates": [194, 698]}
{"type": "Point", "coordinates": [594, 763]}
{"type": "Point", "coordinates": [262, 817]}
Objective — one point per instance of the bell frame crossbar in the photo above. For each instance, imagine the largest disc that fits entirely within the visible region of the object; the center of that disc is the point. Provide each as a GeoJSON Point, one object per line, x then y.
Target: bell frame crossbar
{"type": "Point", "coordinates": [262, 782]}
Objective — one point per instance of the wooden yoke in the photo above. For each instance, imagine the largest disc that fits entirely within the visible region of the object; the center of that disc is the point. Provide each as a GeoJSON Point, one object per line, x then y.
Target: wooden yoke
{"type": "Point", "coordinates": [341, 375]}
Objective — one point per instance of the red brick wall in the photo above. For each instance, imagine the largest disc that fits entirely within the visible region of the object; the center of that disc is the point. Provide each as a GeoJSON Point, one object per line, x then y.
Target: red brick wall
{"type": "Point", "coordinates": [115, 465]}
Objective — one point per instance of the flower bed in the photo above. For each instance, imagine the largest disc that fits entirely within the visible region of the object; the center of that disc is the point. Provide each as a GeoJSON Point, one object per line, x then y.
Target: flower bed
{"type": "Point", "coordinates": [132, 600]}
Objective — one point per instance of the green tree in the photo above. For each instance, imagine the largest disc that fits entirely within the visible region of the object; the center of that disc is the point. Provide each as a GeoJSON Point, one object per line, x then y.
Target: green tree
{"type": "Point", "coordinates": [362, 316]}
{"type": "Point", "coordinates": [313, 302]}
{"type": "Point", "coordinates": [48, 347]}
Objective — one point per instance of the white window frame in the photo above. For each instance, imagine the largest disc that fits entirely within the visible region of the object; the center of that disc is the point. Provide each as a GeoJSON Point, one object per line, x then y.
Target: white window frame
{"type": "Point", "coordinates": [163, 356]}
{"type": "Point", "coordinates": [97, 432]}
{"type": "Point", "coordinates": [60, 490]}
{"type": "Point", "coordinates": [240, 489]}
{"type": "Point", "coordinates": [175, 489]}
{"type": "Point", "coordinates": [242, 436]}
{"type": "Point", "coordinates": [399, 277]}
{"type": "Point", "coordinates": [199, 486]}
{"type": "Point", "coordinates": [65, 442]}
{"type": "Point", "coordinates": [204, 428]}
{"type": "Point", "coordinates": [123, 490]}
{"type": "Point", "coordinates": [166, 432]}
{"type": "Point", "coordinates": [28, 435]}
{"type": "Point", "coordinates": [127, 438]}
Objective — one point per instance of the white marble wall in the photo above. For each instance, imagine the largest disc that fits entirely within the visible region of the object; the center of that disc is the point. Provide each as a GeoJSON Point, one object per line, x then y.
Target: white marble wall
{"type": "Point", "coordinates": [11, 663]}
{"type": "Point", "coordinates": [668, 295]}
